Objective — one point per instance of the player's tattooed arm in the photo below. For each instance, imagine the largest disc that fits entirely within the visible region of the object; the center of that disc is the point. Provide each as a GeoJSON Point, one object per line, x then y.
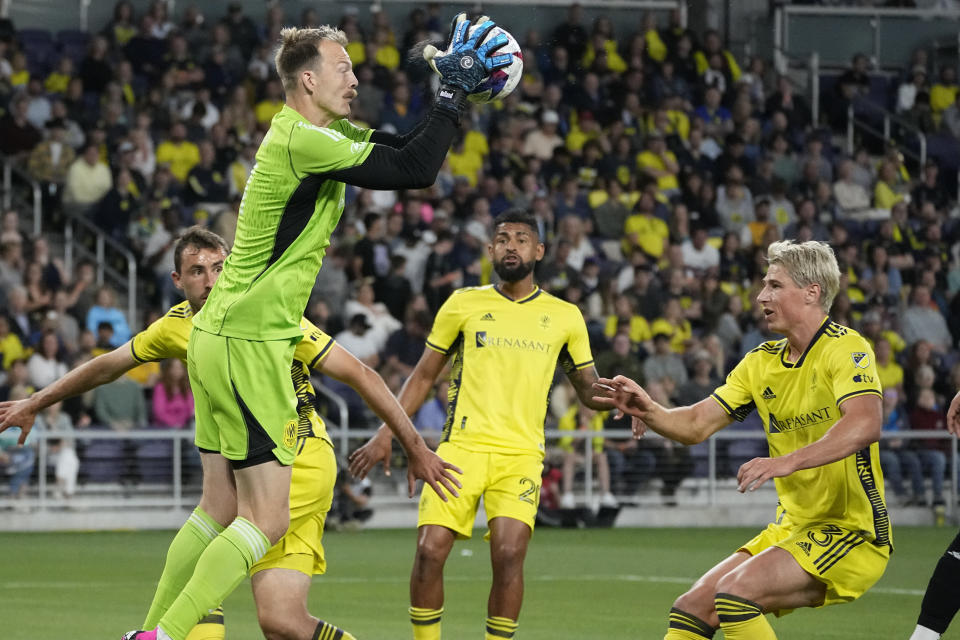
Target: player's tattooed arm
{"type": "Point", "coordinates": [583, 381]}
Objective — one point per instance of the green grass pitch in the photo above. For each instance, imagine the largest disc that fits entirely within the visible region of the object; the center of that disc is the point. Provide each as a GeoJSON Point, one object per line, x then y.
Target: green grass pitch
{"type": "Point", "coordinates": [612, 584]}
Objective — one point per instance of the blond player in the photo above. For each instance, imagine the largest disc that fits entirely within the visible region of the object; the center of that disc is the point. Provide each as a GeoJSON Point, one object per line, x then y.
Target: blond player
{"type": "Point", "coordinates": [818, 393]}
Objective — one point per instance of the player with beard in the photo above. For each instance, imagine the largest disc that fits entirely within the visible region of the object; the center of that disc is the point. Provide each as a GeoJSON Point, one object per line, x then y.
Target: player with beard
{"type": "Point", "coordinates": [506, 341]}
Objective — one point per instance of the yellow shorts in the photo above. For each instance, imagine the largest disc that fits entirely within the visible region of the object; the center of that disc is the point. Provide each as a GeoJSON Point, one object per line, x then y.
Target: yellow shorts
{"type": "Point", "coordinates": [508, 483]}
{"type": "Point", "coordinates": [311, 493]}
{"type": "Point", "coordinates": [845, 562]}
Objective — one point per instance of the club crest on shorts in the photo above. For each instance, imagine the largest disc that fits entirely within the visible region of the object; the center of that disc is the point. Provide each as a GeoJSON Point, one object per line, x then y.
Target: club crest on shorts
{"type": "Point", "coordinates": [290, 434]}
{"type": "Point", "coordinates": [861, 359]}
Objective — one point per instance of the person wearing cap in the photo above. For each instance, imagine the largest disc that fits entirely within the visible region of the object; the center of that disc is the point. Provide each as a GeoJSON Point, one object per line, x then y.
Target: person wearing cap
{"type": "Point", "coordinates": [356, 339]}
{"type": "Point", "coordinates": [541, 142]}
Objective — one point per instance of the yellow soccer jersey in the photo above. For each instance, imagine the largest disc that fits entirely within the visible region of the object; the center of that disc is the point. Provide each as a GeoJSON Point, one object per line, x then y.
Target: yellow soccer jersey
{"type": "Point", "coordinates": [505, 356]}
{"type": "Point", "coordinates": [799, 402]}
{"type": "Point", "coordinates": [167, 337]}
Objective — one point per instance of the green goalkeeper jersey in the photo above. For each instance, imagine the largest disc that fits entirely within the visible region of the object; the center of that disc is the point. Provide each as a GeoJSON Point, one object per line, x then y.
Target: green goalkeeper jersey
{"type": "Point", "coordinates": [289, 209]}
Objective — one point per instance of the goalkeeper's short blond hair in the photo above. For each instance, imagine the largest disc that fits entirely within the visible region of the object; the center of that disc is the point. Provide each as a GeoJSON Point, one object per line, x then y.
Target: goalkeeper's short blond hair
{"type": "Point", "coordinates": [300, 48]}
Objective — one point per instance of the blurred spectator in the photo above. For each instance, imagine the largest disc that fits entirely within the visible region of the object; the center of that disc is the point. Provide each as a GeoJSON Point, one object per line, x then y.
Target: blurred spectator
{"type": "Point", "coordinates": [441, 275]}
{"type": "Point", "coordinates": [664, 366]}
{"type": "Point", "coordinates": [105, 310]}
{"type": "Point", "coordinates": [17, 135]}
{"type": "Point", "coordinates": [660, 164]}
{"type": "Point", "coordinates": [357, 338]}
{"type": "Point", "coordinates": [541, 141]}
{"type": "Point", "coordinates": [45, 367]}
{"type": "Point", "coordinates": [581, 418]}
{"type": "Point", "coordinates": [907, 92]}
{"type": "Point", "coordinates": [432, 416]}
{"type": "Point", "coordinates": [850, 195]}
{"type": "Point", "coordinates": [11, 347]}
{"type": "Point", "coordinates": [88, 180]}
{"type": "Point", "coordinates": [405, 345]}
{"type": "Point", "coordinates": [922, 320]}
{"type": "Point", "coordinates": [119, 405]}
{"type": "Point", "coordinates": [927, 415]}
{"type": "Point", "coordinates": [943, 93]}
{"type": "Point", "coordinates": [380, 323]}
{"type": "Point", "coordinates": [620, 359]}
{"type": "Point", "coordinates": [172, 402]}
{"type": "Point", "coordinates": [51, 159]}
{"type": "Point", "coordinates": [179, 154]}
{"type": "Point", "coordinates": [644, 230]}
{"type": "Point", "coordinates": [61, 453]}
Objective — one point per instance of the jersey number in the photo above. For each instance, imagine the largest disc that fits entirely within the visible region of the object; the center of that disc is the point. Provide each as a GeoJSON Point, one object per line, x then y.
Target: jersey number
{"type": "Point", "coordinates": [824, 537]}
{"type": "Point", "coordinates": [531, 494]}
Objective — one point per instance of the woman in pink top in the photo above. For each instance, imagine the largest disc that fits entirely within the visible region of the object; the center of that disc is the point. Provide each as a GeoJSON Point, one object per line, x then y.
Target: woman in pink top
{"type": "Point", "coordinates": [172, 399]}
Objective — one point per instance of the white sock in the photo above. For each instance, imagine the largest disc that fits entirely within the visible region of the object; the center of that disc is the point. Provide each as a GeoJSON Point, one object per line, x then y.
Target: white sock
{"type": "Point", "coordinates": [922, 633]}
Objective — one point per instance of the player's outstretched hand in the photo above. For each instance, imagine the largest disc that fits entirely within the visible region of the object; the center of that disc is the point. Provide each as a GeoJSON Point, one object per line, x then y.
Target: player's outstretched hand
{"type": "Point", "coordinates": [17, 413]}
{"type": "Point", "coordinates": [376, 450]}
{"type": "Point", "coordinates": [754, 473]}
{"type": "Point", "coordinates": [467, 59]}
{"type": "Point", "coordinates": [426, 465]}
{"type": "Point", "coordinates": [624, 395]}
{"type": "Point", "coordinates": [953, 415]}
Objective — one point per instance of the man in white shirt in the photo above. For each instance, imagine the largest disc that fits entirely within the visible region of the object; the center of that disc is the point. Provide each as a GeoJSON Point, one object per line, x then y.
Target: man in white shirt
{"type": "Point", "coordinates": [698, 254]}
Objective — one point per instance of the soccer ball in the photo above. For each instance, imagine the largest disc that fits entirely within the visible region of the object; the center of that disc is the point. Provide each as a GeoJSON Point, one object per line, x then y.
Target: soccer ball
{"type": "Point", "coordinates": [501, 82]}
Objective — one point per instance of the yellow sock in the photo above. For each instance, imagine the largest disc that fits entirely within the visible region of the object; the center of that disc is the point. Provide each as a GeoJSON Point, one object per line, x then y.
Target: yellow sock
{"type": "Point", "coordinates": [742, 619]}
{"type": "Point", "coordinates": [686, 626]}
{"type": "Point", "coordinates": [210, 627]}
{"type": "Point", "coordinates": [498, 628]}
{"type": "Point", "coordinates": [426, 623]}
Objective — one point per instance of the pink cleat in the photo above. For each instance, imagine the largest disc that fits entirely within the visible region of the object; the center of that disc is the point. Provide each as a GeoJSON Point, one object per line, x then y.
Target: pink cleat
{"type": "Point", "coordinates": [141, 635]}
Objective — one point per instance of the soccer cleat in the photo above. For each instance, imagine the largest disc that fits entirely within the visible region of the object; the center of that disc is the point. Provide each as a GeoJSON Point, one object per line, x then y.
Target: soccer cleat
{"type": "Point", "coordinates": [567, 501]}
{"type": "Point", "coordinates": [153, 634]}
{"type": "Point", "coordinates": [609, 500]}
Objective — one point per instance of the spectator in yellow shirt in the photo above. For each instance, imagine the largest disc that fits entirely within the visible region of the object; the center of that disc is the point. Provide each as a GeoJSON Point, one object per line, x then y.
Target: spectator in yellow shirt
{"type": "Point", "coordinates": [644, 230]}
{"type": "Point", "coordinates": [178, 153]}
{"type": "Point", "coordinates": [11, 349]}
{"type": "Point", "coordinates": [943, 92]}
{"type": "Point", "coordinates": [890, 373]}
{"type": "Point", "coordinates": [674, 324]}
{"type": "Point", "coordinates": [270, 105]}
{"type": "Point", "coordinates": [625, 318]}
{"type": "Point", "coordinates": [660, 163]}
{"type": "Point", "coordinates": [885, 193]}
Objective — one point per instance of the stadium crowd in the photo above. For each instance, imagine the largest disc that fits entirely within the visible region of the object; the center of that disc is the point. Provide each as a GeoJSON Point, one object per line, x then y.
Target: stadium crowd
{"type": "Point", "coordinates": [659, 168]}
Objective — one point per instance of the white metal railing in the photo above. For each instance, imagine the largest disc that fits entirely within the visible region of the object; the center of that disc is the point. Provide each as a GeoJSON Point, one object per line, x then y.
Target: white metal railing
{"type": "Point", "coordinates": [101, 242]}
{"type": "Point", "coordinates": [342, 410]}
{"type": "Point", "coordinates": [10, 171]}
{"type": "Point", "coordinates": [889, 119]}
{"type": "Point", "coordinates": [873, 18]}
{"type": "Point", "coordinates": [175, 496]}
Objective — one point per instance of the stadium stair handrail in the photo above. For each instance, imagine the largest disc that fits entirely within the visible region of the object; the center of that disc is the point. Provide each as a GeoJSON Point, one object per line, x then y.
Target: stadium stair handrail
{"type": "Point", "coordinates": [101, 242]}
{"type": "Point", "coordinates": [343, 429]}
{"type": "Point", "coordinates": [859, 104]}
{"type": "Point", "coordinates": [11, 171]}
